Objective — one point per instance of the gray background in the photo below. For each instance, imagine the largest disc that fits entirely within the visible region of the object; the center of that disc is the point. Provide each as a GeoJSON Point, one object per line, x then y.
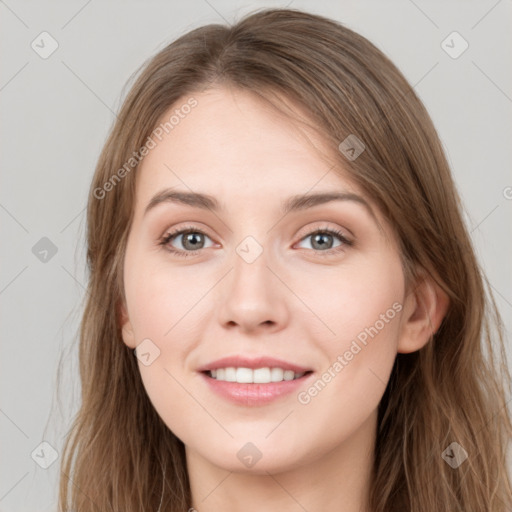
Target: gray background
{"type": "Point", "coordinates": [56, 113]}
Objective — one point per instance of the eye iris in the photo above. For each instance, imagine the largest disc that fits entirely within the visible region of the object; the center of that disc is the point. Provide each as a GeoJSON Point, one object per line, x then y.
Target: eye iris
{"type": "Point", "coordinates": [321, 245]}
{"type": "Point", "coordinates": [191, 238]}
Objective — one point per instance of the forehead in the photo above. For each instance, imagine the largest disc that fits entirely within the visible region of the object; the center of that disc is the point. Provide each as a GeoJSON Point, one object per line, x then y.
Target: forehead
{"type": "Point", "coordinates": [251, 158]}
{"type": "Point", "coordinates": [235, 141]}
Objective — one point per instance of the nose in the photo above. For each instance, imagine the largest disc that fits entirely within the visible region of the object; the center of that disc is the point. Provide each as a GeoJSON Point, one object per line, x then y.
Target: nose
{"type": "Point", "coordinates": [252, 298]}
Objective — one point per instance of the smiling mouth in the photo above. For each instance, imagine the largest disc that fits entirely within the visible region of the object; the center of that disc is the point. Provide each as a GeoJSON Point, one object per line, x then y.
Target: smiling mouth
{"type": "Point", "coordinates": [264, 375]}
{"type": "Point", "coordinates": [247, 387]}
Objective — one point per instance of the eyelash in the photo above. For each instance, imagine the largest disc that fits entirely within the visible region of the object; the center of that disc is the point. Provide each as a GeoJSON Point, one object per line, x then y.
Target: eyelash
{"type": "Point", "coordinates": [191, 229]}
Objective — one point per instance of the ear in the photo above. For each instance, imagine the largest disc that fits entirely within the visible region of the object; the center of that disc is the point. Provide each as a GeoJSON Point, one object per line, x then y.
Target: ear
{"type": "Point", "coordinates": [425, 307]}
{"type": "Point", "coordinates": [126, 326]}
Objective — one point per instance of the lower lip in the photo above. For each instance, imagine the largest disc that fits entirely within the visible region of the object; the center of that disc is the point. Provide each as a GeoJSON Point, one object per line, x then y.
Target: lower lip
{"type": "Point", "coordinates": [254, 394]}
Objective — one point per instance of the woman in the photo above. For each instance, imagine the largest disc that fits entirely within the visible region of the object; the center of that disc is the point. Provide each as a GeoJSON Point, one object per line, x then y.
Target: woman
{"type": "Point", "coordinates": [284, 307]}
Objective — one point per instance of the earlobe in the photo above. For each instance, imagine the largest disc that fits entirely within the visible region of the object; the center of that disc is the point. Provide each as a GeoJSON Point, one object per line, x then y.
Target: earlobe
{"type": "Point", "coordinates": [425, 308]}
{"type": "Point", "coordinates": [126, 327]}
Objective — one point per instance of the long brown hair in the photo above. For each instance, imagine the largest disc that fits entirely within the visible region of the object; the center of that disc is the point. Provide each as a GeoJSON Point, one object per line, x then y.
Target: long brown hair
{"type": "Point", "coordinates": [120, 455]}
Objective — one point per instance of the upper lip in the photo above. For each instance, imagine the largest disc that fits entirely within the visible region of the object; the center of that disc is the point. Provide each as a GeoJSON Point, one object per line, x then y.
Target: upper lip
{"type": "Point", "coordinates": [240, 361]}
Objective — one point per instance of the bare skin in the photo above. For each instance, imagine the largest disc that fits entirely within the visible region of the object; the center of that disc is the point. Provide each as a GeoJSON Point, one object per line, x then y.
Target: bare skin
{"type": "Point", "coordinates": [292, 302]}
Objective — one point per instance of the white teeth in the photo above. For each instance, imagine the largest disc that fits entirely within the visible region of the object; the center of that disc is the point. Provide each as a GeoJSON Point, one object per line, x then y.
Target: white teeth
{"type": "Point", "coordinates": [262, 375]}
{"type": "Point", "coordinates": [243, 375]}
{"type": "Point", "coordinates": [230, 374]}
{"type": "Point", "coordinates": [257, 376]}
{"type": "Point", "coordinates": [276, 374]}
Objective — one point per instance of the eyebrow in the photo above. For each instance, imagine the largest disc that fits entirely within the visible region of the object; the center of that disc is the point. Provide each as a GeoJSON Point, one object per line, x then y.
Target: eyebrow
{"type": "Point", "coordinates": [293, 203]}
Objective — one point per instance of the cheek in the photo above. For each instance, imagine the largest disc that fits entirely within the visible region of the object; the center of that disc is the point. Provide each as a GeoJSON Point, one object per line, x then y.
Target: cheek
{"type": "Point", "coordinates": [348, 300]}
{"type": "Point", "coordinates": [362, 306]}
{"type": "Point", "coordinates": [161, 303]}
{"type": "Point", "coordinates": [359, 306]}
{"type": "Point", "coordinates": [160, 298]}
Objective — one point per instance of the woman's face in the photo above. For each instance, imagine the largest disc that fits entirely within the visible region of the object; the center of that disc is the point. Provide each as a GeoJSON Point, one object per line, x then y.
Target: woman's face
{"type": "Point", "coordinates": [258, 282]}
